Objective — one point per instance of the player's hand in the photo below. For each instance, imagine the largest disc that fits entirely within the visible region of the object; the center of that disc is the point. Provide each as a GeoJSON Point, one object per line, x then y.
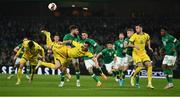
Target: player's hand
{"type": "Point", "coordinates": [137, 47]}
{"type": "Point", "coordinates": [60, 43]}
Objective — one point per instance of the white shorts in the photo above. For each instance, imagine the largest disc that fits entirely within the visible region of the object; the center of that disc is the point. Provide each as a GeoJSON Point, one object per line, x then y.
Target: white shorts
{"type": "Point", "coordinates": [109, 66]}
{"type": "Point", "coordinates": [169, 60]}
{"type": "Point", "coordinates": [129, 58]}
{"type": "Point", "coordinates": [122, 61]}
{"type": "Point", "coordinates": [17, 60]}
{"type": "Point", "coordinates": [89, 63]}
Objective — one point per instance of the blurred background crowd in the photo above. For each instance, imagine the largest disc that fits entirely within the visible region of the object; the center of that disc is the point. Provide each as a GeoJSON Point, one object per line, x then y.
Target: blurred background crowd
{"type": "Point", "coordinates": [102, 24]}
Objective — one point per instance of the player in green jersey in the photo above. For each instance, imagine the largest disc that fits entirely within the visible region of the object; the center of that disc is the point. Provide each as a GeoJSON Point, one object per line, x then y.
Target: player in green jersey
{"type": "Point", "coordinates": [74, 36]}
{"type": "Point", "coordinates": [89, 63]}
{"type": "Point", "coordinates": [169, 44]}
{"type": "Point", "coordinates": [121, 60]}
{"type": "Point", "coordinates": [108, 55]}
{"type": "Point", "coordinates": [17, 62]}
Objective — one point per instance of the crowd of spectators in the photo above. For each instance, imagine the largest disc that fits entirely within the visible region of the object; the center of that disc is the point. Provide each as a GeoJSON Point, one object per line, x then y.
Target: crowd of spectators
{"type": "Point", "coordinates": [102, 29]}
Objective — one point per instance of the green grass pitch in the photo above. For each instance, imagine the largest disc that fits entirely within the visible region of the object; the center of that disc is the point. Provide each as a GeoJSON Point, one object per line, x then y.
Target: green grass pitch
{"type": "Point", "coordinates": [47, 85]}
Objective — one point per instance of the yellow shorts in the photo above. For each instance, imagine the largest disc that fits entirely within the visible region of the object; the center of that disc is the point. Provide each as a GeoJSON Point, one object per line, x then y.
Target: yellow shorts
{"type": "Point", "coordinates": [142, 57]}
{"type": "Point", "coordinates": [63, 61]}
{"type": "Point", "coordinates": [26, 57]}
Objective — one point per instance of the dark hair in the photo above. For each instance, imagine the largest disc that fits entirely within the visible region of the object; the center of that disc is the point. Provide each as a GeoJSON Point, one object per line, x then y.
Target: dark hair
{"type": "Point", "coordinates": [163, 30]}
{"type": "Point", "coordinates": [85, 32]}
{"type": "Point", "coordinates": [109, 42]}
{"type": "Point", "coordinates": [121, 33]}
{"type": "Point", "coordinates": [130, 29]}
{"type": "Point", "coordinates": [72, 27]}
{"type": "Point", "coordinates": [140, 25]}
{"type": "Point", "coordinates": [31, 44]}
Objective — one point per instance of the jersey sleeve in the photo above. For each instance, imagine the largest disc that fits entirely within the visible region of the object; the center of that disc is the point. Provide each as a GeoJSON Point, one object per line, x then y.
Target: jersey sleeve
{"type": "Point", "coordinates": [172, 39]}
{"type": "Point", "coordinates": [39, 48]}
{"type": "Point", "coordinates": [48, 38]}
{"type": "Point", "coordinates": [20, 45]}
{"type": "Point", "coordinates": [65, 38]}
{"type": "Point", "coordinates": [93, 43]}
{"type": "Point", "coordinates": [133, 37]}
{"type": "Point", "coordinates": [147, 37]}
{"type": "Point", "coordinates": [76, 44]}
{"type": "Point", "coordinates": [89, 54]}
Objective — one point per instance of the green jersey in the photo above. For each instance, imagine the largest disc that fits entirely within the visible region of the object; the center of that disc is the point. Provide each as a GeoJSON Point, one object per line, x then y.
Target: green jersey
{"type": "Point", "coordinates": [94, 47]}
{"type": "Point", "coordinates": [108, 55]}
{"type": "Point", "coordinates": [119, 47]}
{"type": "Point", "coordinates": [169, 44]}
{"type": "Point", "coordinates": [70, 37]}
{"type": "Point", "coordinates": [19, 46]}
{"type": "Point", "coordinates": [129, 49]}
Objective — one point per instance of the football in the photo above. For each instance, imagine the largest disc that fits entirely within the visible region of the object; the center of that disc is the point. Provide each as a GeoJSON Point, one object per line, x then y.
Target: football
{"type": "Point", "coordinates": [52, 6]}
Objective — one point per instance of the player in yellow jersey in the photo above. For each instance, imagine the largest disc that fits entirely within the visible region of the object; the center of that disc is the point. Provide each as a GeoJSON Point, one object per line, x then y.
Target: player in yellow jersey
{"type": "Point", "coordinates": [138, 41]}
{"type": "Point", "coordinates": [52, 46]}
{"type": "Point", "coordinates": [32, 52]}
{"type": "Point", "coordinates": [66, 54]}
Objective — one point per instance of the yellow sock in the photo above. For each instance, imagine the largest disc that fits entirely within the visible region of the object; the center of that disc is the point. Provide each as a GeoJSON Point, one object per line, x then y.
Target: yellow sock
{"type": "Point", "coordinates": [19, 74]}
{"type": "Point", "coordinates": [149, 74]}
{"type": "Point", "coordinates": [138, 69]}
{"type": "Point", "coordinates": [50, 65]}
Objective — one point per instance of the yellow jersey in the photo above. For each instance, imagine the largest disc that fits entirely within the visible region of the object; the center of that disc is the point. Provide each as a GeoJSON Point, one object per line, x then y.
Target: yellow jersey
{"type": "Point", "coordinates": [77, 51]}
{"type": "Point", "coordinates": [140, 41]}
{"type": "Point", "coordinates": [31, 52]}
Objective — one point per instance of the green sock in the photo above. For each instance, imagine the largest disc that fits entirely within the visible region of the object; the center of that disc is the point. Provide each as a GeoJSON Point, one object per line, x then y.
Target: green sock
{"type": "Point", "coordinates": [77, 74]}
{"type": "Point", "coordinates": [137, 78]}
{"type": "Point", "coordinates": [114, 73]}
{"type": "Point", "coordinates": [28, 70]}
{"type": "Point", "coordinates": [124, 74]}
{"type": "Point", "coordinates": [62, 77]}
{"type": "Point", "coordinates": [170, 75]}
{"type": "Point", "coordinates": [120, 74]}
{"type": "Point", "coordinates": [99, 70]}
{"type": "Point", "coordinates": [95, 77]}
{"type": "Point", "coordinates": [13, 70]}
{"type": "Point", "coordinates": [166, 72]}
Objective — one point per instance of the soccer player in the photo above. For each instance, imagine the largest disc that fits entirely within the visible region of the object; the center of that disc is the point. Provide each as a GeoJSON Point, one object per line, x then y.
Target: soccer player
{"type": "Point", "coordinates": [138, 41]}
{"type": "Point", "coordinates": [108, 55]}
{"type": "Point", "coordinates": [18, 60]}
{"type": "Point", "coordinates": [52, 46]}
{"type": "Point", "coordinates": [89, 63]}
{"type": "Point", "coordinates": [129, 50]}
{"type": "Point", "coordinates": [121, 58]}
{"type": "Point", "coordinates": [32, 52]}
{"type": "Point", "coordinates": [169, 60]}
{"type": "Point", "coordinates": [66, 54]}
{"type": "Point", "coordinates": [74, 36]}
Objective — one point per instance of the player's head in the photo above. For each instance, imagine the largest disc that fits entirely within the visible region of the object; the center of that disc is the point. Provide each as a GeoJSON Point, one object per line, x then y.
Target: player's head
{"type": "Point", "coordinates": [121, 35]}
{"type": "Point", "coordinates": [163, 32]}
{"type": "Point", "coordinates": [84, 35]}
{"type": "Point", "coordinates": [86, 46]}
{"type": "Point", "coordinates": [56, 38]}
{"type": "Point", "coordinates": [25, 39]}
{"type": "Point", "coordinates": [109, 45]}
{"type": "Point", "coordinates": [31, 45]}
{"type": "Point", "coordinates": [130, 32]}
{"type": "Point", "coordinates": [138, 28]}
{"type": "Point", "coordinates": [74, 29]}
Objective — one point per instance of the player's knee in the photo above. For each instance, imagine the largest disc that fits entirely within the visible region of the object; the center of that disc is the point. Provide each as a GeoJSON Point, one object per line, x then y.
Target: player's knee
{"type": "Point", "coordinates": [139, 64]}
